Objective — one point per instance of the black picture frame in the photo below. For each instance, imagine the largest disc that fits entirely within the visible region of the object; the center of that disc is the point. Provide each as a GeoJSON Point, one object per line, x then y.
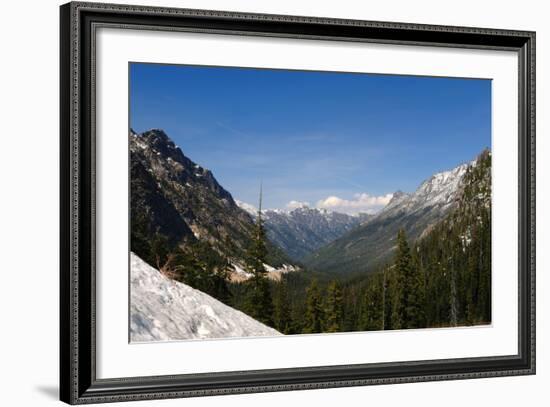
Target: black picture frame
{"type": "Point", "coordinates": [78, 382]}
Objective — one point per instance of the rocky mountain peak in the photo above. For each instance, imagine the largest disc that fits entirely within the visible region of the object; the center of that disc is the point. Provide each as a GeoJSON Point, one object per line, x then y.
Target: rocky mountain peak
{"type": "Point", "coordinates": [438, 192]}
{"type": "Point", "coordinates": [175, 197]}
{"type": "Point", "coordinates": [158, 142]}
{"type": "Point", "coordinates": [397, 197]}
{"type": "Point", "coordinates": [373, 241]}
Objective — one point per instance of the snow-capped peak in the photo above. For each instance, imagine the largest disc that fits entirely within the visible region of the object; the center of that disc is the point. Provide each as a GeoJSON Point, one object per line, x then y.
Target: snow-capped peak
{"type": "Point", "coordinates": [397, 197]}
{"type": "Point", "coordinates": [441, 187]}
{"type": "Point", "coordinates": [437, 191]}
{"type": "Point", "coordinates": [251, 209]}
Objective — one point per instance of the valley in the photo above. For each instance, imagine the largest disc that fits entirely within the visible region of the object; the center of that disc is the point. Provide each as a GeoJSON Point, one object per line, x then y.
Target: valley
{"type": "Point", "coordinates": [307, 270]}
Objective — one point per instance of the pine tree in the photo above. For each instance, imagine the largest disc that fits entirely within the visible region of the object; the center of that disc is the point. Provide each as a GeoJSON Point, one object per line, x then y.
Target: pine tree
{"type": "Point", "coordinates": [314, 309]}
{"type": "Point", "coordinates": [402, 265]}
{"type": "Point", "coordinates": [373, 314]}
{"type": "Point", "coordinates": [260, 304]}
{"type": "Point", "coordinates": [416, 295]}
{"type": "Point", "coordinates": [352, 308]}
{"type": "Point", "coordinates": [189, 268]}
{"type": "Point", "coordinates": [386, 298]}
{"type": "Point", "coordinates": [334, 313]}
{"type": "Point", "coordinates": [220, 276]}
{"type": "Point", "coordinates": [455, 257]}
{"type": "Point", "coordinates": [485, 272]}
{"type": "Point", "coordinates": [407, 309]}
{"type": "Point", "coordinates": [282, 313]}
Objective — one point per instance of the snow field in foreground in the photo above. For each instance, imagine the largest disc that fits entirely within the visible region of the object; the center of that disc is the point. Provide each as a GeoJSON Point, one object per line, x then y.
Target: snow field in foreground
{"type": "Point", "coordinates": [162, 309]}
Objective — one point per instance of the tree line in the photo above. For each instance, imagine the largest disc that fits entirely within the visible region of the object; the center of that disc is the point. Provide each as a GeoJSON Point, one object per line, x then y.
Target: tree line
{"type": "Point", "coordinates": [441, 280]}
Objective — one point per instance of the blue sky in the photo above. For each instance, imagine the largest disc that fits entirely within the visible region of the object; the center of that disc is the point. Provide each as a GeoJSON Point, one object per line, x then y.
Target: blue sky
{"type": "Point", "coordinates": [330, 139]}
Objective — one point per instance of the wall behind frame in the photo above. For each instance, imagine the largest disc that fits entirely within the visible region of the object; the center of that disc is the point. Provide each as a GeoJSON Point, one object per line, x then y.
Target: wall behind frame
{"type": "Point", "coordinates": [29, 162]}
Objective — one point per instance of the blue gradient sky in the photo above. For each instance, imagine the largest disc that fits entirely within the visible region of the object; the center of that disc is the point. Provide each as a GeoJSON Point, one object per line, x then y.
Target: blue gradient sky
{"type": "Point", "coordinates": [311, 135]}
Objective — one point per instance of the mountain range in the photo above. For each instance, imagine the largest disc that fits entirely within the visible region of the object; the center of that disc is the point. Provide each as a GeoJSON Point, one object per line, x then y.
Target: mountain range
{"type": "Point", "coordinates": [373, 242]}
{"type": "Point", "coordinates": [195, 252]}
{"type": "Point", "coordinates": [174, 197]}
{"type": "Point", "coordinates": [301, 231]}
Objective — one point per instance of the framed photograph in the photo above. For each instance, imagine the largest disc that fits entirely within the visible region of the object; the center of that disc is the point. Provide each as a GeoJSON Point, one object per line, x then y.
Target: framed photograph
{"type": "Point", "coordinates": [254, 203]}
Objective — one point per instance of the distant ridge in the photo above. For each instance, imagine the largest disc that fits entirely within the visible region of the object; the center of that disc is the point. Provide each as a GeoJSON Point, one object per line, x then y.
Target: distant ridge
{"type": "Point", "coordinates": [373, 242]}
{"type": "Point", "coordinates": [302, 230]}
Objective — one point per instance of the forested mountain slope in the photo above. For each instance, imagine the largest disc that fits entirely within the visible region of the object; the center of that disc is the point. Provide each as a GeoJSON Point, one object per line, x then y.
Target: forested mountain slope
{"type": "Point", "coordinates": [444, 279]}
{"type": "Point", "coordinates": [175, 202]}
{"type": "Point", "coordinates": [374, 242]}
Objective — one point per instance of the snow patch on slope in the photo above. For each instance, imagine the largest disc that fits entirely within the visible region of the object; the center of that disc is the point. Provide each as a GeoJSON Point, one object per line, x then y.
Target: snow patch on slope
{"type": "Point", "coordinates": [162, 309]}
{"type": "Point", "coordinates": [240, 274]}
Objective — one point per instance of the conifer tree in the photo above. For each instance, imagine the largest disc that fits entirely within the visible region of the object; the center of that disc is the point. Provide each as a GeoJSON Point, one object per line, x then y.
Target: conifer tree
{"type": "Point", "coordinates": [282, 313]}
{"type": "Point", "coordinates": [260, 302]}
{"type": "Point", "coordinates": [314, 309]}
{"type": "Point", "coordinates": [402, 266]}
{"type": "Point", "coordinates": [334, 313]}
{"type": "Point", "coordinates": [453, 293]}
{"type": "Point", "coordinates": [386, 298]}
{"type": "Point", "coordinates": [407, 299]}
{"type": "Point", "coordinates": [485, 272]}
{"type": "Point", "coordinates": [416, 296]}
{"type": "Point", "coordinates": [352, 308]}
{"type": "Point", "coordinates": [373, 312]}
{"type": "Point", "coordinates": [220, 277]}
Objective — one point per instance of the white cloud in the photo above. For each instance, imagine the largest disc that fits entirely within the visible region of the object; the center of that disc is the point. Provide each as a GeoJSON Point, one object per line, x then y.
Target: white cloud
{"type": "Point", "coordinates": [360, 203]}
{"type": "Point", "coordinates": [296, 204]}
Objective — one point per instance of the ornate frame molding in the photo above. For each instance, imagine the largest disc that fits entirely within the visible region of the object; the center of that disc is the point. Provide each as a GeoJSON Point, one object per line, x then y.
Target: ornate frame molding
{"type": "Point", "coordinates": [79, 384]}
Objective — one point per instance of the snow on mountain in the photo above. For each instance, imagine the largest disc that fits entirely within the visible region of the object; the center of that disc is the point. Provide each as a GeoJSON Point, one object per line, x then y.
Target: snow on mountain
{"type": "Point", "coordinates": [251, 209]}
{"type": "Point", "coordinates": [175, 197]}
{"type": "Point", "coordinates": [439, 191]}
{"type": "Point", "coordinates": [397, 198]}
{"type": "Point", "coordinates": [276, 273]}
{"type": "Point", "coordinates": [373, 242]}
{"type": "Point", "coordinates": [302, 230]}
{"type": "Point", "coordinates": [240, 274]}
{"type": "Point", "coordinates": [162, 309]}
